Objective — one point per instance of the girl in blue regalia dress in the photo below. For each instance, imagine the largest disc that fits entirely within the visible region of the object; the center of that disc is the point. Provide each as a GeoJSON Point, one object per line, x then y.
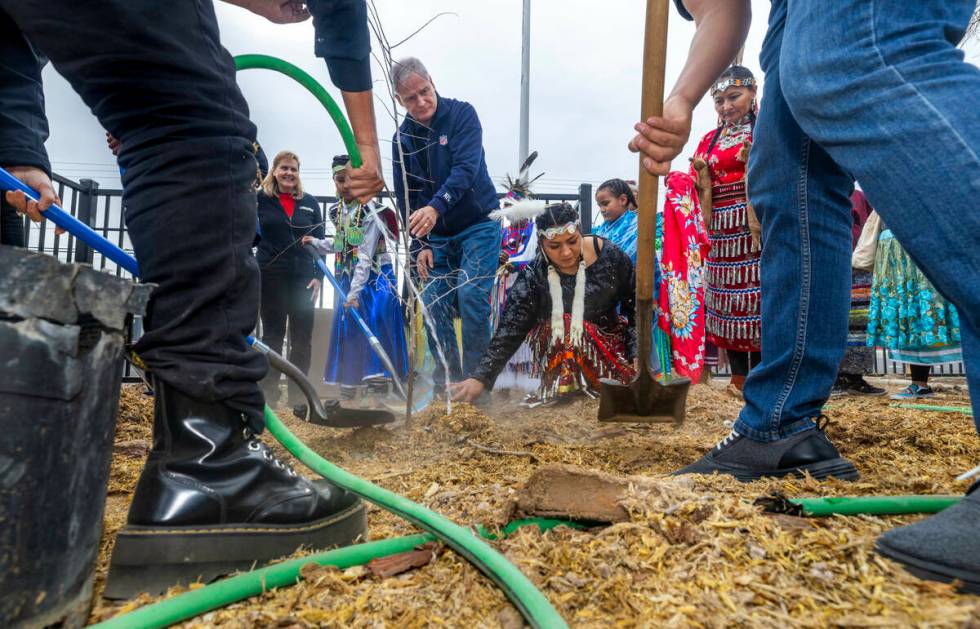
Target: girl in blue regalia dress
{"type": "Point", "coordinates": [364, 269]}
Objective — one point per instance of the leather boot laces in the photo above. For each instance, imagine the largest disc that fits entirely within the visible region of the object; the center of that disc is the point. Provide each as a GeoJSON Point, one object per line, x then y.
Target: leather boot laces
{"type": "Point", "coordinates": [257, 445]}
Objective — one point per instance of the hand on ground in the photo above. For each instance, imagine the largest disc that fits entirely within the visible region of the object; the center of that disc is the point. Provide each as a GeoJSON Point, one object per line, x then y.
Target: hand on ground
{"type": "Point", "coordinates": [466, 391]}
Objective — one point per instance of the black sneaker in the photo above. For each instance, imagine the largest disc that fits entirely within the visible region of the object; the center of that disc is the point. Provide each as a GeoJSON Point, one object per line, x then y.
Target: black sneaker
{"type": "Point", "coordinates": [809, 451]}
{"type": "Point", "coordinates": [839, 390]}
{"type": "Point", "coordinates": [944, 547]}
{"type": "Point", "coordinates": [841, 386]}
{"type": "Point", "coordinates": [860, 386]}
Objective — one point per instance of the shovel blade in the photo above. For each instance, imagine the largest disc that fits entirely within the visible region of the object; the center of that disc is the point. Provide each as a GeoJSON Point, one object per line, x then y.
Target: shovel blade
{"type": "Point", "coordinates": [645, 400]}
{"type": "Point", "coordinates": [337, 416]}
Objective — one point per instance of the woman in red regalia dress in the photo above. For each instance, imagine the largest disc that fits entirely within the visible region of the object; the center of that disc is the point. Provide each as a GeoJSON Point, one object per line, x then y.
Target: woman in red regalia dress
{"type": "Point", "coordinates": [710, 283]}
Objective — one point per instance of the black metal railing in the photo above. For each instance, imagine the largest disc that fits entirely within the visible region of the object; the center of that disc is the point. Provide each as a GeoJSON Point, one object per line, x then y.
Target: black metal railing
{"type": "Point", "coordinates": [102, 210]}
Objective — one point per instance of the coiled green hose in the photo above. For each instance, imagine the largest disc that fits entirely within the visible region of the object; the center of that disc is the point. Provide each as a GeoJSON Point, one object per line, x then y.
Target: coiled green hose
{"type": "Point", "coordinates": [532, 604]}
{"type": "Point", "coordinates": [285, 574]}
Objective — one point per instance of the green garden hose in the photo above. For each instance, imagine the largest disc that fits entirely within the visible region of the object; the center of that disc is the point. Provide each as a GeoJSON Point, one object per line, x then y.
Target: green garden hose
{"type": "Point", "coordinates": [857, 505]}
{"type": "Point", "coordinates": [966, 410]}
{"type": "Point", "coordinates": [285, 574]}
{"type": "Point", "coordinates": [529, 601]}
{"type": "Point", "coordinates": [242, 586]}
{"type": "Point", "coordinates": [265, 62]}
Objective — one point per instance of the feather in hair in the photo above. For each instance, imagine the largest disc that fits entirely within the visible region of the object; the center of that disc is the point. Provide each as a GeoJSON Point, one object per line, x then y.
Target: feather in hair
{"type": "Point", "coordinates": [526, 209]}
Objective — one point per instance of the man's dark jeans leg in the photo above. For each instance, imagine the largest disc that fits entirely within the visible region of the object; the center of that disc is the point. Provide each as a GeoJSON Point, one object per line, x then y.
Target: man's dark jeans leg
{"type": "Point", "coordinates": [157, 78]}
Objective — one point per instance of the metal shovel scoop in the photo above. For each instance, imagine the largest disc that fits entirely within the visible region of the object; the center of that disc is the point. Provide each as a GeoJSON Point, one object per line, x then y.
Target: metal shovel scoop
{"type": "Point", "coordinates": [647, 399]}
{"type": "Point", "coordinates": [331, 413]}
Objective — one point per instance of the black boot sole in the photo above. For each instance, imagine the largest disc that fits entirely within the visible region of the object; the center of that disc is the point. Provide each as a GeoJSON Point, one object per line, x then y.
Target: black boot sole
{"type": "Point", "coordinates": [837, 468]}
{"type": "Point", "coordinates": [154, 559]}
{"type": "Point", "coordinates": [930, 571]}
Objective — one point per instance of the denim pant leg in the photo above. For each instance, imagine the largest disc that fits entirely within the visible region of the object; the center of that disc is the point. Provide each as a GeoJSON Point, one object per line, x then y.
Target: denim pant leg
{"type": "Point", "coordinates": [156, 76]}
{"type": "Point", "coordinates": [884, 89]}
{"type": "Point", "coordinates": [801, 197]}
{"type": "Point", "coordinates": [480, 252]}
{"type": "Point", "coordinates": [439, 297]}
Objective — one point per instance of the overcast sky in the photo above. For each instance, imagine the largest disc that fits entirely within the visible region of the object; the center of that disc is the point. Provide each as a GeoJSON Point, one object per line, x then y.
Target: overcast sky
{"type": "Point", "coordinates": [585, 86]}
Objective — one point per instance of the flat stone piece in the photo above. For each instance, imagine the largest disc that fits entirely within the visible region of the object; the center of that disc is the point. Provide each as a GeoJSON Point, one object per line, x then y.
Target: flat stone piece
{"type": "Point", "coordinates": [566, 491]}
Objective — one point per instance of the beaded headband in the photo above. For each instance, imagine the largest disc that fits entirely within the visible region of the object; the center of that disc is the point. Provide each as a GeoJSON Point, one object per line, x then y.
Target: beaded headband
{"type": "Point", "coordinates": [721, 86]}
{"type": "Point", "coordinates": [567, 228]}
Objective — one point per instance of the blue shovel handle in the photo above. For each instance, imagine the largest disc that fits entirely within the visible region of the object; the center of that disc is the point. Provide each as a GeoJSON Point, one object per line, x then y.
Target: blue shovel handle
{"type": "Point", "coordinates": [73, 226]}
{"type": "Point", "coordinates": [78, 229]}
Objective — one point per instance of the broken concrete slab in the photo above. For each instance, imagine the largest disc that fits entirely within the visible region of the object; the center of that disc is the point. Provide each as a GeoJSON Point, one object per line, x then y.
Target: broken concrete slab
{"type": "Point", "coordinates": [567, 491]}
{"type": "Point", "coordinates": [35, 285]}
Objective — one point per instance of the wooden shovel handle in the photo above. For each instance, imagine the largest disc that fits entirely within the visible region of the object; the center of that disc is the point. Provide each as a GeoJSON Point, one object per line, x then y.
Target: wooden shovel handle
{"type": "Point", "coordinates": [652, 104]}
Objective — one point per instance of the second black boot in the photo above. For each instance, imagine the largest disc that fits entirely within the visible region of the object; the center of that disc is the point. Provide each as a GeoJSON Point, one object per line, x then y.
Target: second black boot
{"type": "Point", "coordinates": [213, 499]}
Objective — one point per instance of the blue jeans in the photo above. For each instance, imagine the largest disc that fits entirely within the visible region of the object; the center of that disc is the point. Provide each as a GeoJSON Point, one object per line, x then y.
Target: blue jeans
{"type": "Point", "coordinates": [873, 90]}
{"type": "Point", "coordinates": [463, 268]}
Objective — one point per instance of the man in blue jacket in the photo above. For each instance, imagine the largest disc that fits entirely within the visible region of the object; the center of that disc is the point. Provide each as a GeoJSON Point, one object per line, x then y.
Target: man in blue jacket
{"type": "Point", "coordinates": [212, 498]}
{"type": "Point", "coordinates": [438, 151]}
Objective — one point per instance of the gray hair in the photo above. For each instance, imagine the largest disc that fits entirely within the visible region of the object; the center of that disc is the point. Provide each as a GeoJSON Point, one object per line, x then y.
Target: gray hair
{"type": "Point", "coordinates": [402, 69]}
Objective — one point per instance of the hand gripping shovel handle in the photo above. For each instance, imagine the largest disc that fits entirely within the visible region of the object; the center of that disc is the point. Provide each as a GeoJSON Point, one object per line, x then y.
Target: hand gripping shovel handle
{"type": "Point", "coordinates": [376, 346]}
{"type": "Point", "coordinates": [81, 231]}
{"type": "Point", "coordinates": [73, 226]}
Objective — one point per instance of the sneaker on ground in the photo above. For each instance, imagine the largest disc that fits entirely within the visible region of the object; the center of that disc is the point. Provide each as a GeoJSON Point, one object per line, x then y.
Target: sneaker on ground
{"type": "Point", "coordinates": [914, 392]}
{"type": "Point", "coordinates": [944, 547]}
{"type": "Point", "coordinates": [860, 386]}
{"type": "Point", "coordinates": [839, 390]}
{"type": "Point", "coordinates": [807, 452]}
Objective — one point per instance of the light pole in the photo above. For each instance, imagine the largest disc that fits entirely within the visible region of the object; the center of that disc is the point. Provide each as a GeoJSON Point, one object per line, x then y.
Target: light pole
{"type": "Point", "coordinates": [525, 81]}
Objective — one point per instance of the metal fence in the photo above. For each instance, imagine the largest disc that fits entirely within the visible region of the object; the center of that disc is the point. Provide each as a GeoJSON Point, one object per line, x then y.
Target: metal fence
{"type": "Point", "coordinates": [101, 209]}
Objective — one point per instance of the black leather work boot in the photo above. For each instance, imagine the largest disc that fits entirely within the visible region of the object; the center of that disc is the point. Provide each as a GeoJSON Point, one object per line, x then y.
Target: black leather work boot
{"type": "Point", "coordinates": [213, 499]}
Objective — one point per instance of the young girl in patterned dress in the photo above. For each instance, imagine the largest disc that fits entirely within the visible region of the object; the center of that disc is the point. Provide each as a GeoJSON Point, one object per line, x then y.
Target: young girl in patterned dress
{"type": "Point", "coordinates": [363, 265]}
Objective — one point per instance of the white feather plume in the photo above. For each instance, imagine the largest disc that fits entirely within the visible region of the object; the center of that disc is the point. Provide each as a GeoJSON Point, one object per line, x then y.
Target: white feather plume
{"type": "Point", "coordinates": [526, 209]}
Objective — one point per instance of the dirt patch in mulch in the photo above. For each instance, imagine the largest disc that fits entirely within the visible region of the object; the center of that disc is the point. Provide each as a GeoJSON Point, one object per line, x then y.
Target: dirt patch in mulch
{"type": "Point", "coordinates": [695, 551]}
